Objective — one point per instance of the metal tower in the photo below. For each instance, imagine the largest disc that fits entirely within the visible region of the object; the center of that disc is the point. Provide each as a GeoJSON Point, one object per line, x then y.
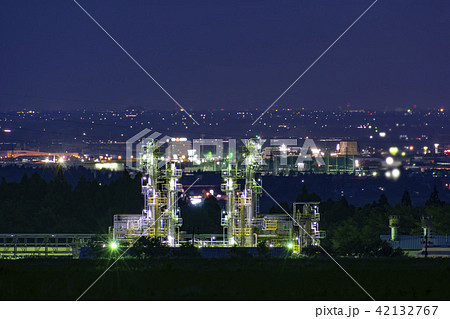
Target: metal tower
{"type": "Point", "coordinates": [393, 225]}
{"type": "Point", "coordinates": [242, 207]}
{"type": "Point", "coordinates": [160, 188]}
{"type": "Point", "coordinates": [230, 214]}
{"type": "Point", "coordinates": [306, 214]}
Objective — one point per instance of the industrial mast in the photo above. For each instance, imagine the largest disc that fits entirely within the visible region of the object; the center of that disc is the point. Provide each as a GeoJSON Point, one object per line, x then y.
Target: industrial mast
{"type": "Point", "coordinates": [160, 216]}
{"type": "Point", "coordinates": [307, 217]}
{"type": "Point", "coordinates": [160, 187]}
{"type": "Point", "coordinates": [241, 208]}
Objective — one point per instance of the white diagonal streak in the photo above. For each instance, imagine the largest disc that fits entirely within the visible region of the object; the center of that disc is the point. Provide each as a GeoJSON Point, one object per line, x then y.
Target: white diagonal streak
{"type": "Point", "coordinates": [315, 61]}
{"type": "Point", "coordinates": [136, 62]}
{"type": "Point", "coordinates": [132, 244]}
{"type": "Point", "coordinates": [326, 252]}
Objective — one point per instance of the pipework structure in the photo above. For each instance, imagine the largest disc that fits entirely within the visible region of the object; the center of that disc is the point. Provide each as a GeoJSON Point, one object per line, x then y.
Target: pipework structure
{"type": "Point", "coordinates": [239, 218]}
{"type": "Point", "coordinates": [243, 225]}
{"type": "Point", "coordinates": [306, 214]}
{"type": "Point", "coordinates": [230, 214]}
{"type": "Point", "coordinates": [160, 187]}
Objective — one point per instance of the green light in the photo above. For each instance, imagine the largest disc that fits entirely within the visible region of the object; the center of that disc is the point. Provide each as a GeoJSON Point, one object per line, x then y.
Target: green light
{"type": "Point", "coordinates": [114, 245]}
{"type": "Point", "coordinates": [393, 150]}
{"type": "Point", "coordinates": [290, 245]}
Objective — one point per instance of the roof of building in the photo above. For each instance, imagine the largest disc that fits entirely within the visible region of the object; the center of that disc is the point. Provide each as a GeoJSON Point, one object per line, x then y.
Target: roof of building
{"type": "Point", "coordinates": [410, 242]}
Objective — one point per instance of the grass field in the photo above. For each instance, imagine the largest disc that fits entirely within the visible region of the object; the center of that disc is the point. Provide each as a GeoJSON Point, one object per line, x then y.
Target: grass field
{"type": "Point", "coordinates": [225, 279]}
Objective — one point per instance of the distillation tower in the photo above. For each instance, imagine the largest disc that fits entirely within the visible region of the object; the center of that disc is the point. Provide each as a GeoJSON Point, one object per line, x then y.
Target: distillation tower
{"type": "Point", "coordinates": [239, 216]}
{"type": "Point", "coordinates": [307, 217]}
{"type": "Point", "coordinates": [160, 187]}
{"type": "Point", "coordinates": [242, 224]}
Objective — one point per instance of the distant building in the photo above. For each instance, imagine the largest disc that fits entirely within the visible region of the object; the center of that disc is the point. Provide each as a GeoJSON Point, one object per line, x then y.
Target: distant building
{"type": "Point", "coordinates": [179, 146]}
{"type": "Point", "coordinates": [439, 245]}
{"type": "Point", "coordinates": [348, 148]}
{"type": "Point", "coordinates": [26, 153]}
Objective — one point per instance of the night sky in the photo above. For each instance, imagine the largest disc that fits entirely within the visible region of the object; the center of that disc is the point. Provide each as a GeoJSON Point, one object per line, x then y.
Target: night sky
{"type": "Point", "coordinates": [230, 54]}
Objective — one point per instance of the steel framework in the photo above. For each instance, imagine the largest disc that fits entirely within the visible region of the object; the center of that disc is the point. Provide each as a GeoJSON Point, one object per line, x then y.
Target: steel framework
{"type": "Point", "coordinates": [239, 217]}
{"type": "Point", "coordinates": [160, 187]}
{"type": "Point", "coordinates": [43, 245]}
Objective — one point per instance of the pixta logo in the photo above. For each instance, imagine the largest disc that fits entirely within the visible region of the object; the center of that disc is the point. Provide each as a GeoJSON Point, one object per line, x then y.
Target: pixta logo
{"type": "Point", "coordinates": [134, 147]}
{"type": "Point", "coordinates": [253, 150]}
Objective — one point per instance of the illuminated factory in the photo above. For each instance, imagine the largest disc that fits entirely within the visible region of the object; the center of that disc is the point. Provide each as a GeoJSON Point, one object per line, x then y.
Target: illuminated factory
{"type": "Point", "coordinates": [160, 187]}
{"type": "Point", "coordinates": [243, 224]}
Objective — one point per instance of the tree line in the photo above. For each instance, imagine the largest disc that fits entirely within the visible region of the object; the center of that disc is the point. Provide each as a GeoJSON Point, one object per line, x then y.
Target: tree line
{"type": "Point", "coordinates": [352, 230]}
{"type": "Point", "coordinates": [36, 206]}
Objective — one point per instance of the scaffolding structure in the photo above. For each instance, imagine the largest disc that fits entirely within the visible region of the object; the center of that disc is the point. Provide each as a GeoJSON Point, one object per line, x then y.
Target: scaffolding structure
{"type": "Point", "coordinates": [43, 245]}
{"type": "Point", "coordinates": [230, 215]}
{"type": "Point", "coordinates": [307, 216]}
{"type": "Point", "coordinates": [242, 224]}
{"type": "Point", "coordinates": [239, 217]}
{"type": "Point", "coordinates": [160, 187]}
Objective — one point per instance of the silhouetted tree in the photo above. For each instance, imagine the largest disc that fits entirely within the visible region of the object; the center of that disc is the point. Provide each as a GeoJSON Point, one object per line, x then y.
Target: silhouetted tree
{"type": "Point", "coordinates": [285, 207]}
{"type": "Point", "coordinates": [304, 196]}
{"type": "Point", "coordinates": [434, 198]}
{"type": "Point", "coordinates": [406, 199]}
{"type": "Point", "coordinates": [383, 201]}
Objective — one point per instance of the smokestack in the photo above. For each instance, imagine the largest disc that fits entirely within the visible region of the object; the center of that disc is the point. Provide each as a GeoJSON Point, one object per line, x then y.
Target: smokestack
{"type": "Point", "coordinates": [393, 224]}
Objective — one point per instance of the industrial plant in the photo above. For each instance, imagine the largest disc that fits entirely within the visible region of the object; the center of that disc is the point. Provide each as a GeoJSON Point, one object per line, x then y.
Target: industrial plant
{"type": "Point", "coordinates": [243, 224]}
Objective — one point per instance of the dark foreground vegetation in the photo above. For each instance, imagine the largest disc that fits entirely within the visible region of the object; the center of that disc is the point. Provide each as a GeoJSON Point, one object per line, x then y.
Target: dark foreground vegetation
{"type": "Point", "coordinates": [34, 205]}
{"type": "Point", "coordinates": [225, 279]}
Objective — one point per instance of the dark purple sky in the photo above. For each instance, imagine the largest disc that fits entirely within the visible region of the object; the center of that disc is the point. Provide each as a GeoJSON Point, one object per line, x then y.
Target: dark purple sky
{"type": "Point", "coordinates": [231, 54]}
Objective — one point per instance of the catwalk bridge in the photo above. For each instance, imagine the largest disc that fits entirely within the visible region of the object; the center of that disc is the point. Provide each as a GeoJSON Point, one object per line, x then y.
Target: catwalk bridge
{"type": "Point", "coordinates": [43, 245]}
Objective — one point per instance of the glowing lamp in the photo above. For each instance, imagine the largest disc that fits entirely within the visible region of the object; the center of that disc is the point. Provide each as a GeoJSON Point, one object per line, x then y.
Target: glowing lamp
{"type": "Point", "coordinates": [389, 160]}
{"type": "Point", "coordinates": [393, 150]}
